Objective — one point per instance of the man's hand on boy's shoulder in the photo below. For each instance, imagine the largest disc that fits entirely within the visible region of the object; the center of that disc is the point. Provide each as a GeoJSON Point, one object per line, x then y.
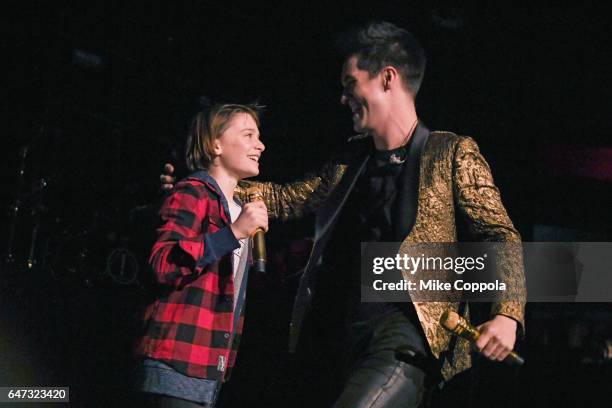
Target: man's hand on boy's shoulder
{"type": "Point", "coordinates": [167, 179]}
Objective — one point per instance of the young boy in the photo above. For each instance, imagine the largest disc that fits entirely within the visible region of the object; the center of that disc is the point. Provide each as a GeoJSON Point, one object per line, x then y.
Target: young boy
{"type": "Point", "coordinates": [193, 328]}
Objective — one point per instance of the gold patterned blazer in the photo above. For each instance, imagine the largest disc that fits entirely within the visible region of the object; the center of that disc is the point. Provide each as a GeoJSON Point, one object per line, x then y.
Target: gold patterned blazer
{"type": "Point", "coordinates": [454, 183]}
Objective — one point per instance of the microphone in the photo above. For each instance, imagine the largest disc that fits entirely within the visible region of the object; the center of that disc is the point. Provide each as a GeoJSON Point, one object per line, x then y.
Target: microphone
{"type": "Point", "coordinates": [259, 241]}
{"type": "Point", "coordinates": [456, 324]}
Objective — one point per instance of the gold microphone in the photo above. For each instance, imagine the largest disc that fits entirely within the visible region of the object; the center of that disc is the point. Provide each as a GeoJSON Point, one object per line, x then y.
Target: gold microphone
{"type": "Point", "coordinates": [259, 241]}
{"type": "Point", "coordinates": [456, 324]}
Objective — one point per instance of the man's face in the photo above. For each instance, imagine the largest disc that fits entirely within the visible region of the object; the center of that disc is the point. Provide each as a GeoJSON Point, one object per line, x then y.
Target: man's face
{"type": "Point", "coordinates": [365, 97]}
{"type": "Point", "coordinates": [239, 147]}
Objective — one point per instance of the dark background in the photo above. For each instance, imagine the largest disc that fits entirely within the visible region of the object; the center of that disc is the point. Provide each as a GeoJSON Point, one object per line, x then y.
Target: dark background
{"type": "Point", "coordinates": [99, 95]}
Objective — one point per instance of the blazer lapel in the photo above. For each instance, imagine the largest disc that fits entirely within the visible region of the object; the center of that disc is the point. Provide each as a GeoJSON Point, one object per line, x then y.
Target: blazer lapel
{"type": "Point", "coordinates": [329, 211]}
{"type": "Point", "coordinates": [326, 217]}
{"type": "Point", "coordinates": [406, 203]}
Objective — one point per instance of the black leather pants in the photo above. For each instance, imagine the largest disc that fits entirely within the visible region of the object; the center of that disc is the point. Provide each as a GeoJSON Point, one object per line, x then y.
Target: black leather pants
{"type": "Point", "coordinates": [388, 366]}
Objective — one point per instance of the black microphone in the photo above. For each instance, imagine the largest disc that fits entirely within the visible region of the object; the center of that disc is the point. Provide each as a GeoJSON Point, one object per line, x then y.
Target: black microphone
{"type": "Point", "coordinates": [456, 324]}
{"type": "Point", "coordinates": [259, 240]}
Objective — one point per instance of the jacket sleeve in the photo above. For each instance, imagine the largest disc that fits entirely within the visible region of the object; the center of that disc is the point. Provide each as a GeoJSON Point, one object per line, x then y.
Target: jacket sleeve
{"type": "Point", "coordinates": [296, 199]}
{"type": "Point", "coordinates": [183, 250]}
{"type": "Point", "coordinates": [479, 203]}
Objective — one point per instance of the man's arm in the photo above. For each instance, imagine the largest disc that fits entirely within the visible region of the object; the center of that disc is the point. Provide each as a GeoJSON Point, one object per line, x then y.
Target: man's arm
{"type": "Point", "coordinates": [298, 198]}
{"type": "Point", "coordinates": [284, 201]}
{"type": "Point", "coordinates": [479, 202]}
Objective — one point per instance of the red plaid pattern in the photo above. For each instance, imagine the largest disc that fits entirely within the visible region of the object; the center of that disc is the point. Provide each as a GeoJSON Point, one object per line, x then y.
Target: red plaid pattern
{"type": "Point", "coordinates": [190, 325]}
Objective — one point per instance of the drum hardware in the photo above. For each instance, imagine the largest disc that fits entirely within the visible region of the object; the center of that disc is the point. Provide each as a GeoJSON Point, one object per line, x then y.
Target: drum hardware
{"type": "Point", "coordinates": [122, 266]}
{"type": "Point", "coordinates": [36, 212]}
{"type": "Point", "coordinates": [9, 258]}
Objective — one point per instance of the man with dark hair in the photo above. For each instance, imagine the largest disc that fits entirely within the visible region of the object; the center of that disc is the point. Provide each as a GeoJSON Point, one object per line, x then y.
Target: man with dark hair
{"type": "Point", "coordinates": [382, 44]}
{"type": "Point", "coordinates": [396, 181]}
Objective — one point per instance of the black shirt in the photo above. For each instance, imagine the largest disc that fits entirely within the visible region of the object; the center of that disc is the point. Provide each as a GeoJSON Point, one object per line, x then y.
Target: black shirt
{"type": "Point", "coordinates": [366, 217]}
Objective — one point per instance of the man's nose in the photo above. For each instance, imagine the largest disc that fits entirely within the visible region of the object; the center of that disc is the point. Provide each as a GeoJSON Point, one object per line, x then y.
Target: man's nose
{"type": "Point", "coordinates": [343, 98]}
{"type": "Point", "coordinates": [261, 146]}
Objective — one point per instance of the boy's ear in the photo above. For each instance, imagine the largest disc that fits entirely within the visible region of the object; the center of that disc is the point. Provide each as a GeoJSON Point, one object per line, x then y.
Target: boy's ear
{"type": "Point", "coordinates": [217, 149]}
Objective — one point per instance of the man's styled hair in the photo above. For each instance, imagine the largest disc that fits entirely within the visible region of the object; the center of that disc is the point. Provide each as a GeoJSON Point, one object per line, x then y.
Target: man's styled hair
{"type": "Point", "coordinates": [380, 44]}
{"type": "Point", "coordinates": [208, 125]}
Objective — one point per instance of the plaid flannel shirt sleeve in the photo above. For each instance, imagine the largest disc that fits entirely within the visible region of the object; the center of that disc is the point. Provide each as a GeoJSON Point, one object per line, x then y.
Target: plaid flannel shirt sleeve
{"type": "Point", "coordinates": [183, 250]}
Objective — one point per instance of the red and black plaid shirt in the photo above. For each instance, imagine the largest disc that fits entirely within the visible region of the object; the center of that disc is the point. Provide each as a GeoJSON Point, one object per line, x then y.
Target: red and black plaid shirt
{"type": "Point", "coordinates": [192, 326]}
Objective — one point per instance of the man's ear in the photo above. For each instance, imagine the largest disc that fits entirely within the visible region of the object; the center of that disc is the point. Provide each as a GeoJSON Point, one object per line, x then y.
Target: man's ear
{"type": "Point", "coordinates": [389, 77]}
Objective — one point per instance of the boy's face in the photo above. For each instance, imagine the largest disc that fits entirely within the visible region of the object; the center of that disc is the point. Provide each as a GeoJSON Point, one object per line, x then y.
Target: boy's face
{"type": "Point", "coordinates": [238, 149]}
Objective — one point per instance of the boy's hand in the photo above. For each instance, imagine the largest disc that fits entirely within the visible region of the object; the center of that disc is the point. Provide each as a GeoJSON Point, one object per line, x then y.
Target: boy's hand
{"type": "Point", "coordinates": [254, 215]}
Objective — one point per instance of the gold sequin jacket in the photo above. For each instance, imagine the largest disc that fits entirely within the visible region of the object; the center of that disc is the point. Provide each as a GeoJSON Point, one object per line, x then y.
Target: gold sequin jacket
{"type": "Point", "coordinates": [455, 182]}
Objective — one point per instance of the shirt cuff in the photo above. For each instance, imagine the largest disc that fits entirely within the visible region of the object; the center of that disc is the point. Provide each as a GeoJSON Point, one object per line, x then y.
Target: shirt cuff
{"type": "Point", "coordinates": [216, 246]}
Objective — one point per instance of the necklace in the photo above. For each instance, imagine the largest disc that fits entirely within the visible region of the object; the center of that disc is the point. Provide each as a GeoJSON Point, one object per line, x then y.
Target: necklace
{"type": "Point", "coordinates": [395, 158]}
